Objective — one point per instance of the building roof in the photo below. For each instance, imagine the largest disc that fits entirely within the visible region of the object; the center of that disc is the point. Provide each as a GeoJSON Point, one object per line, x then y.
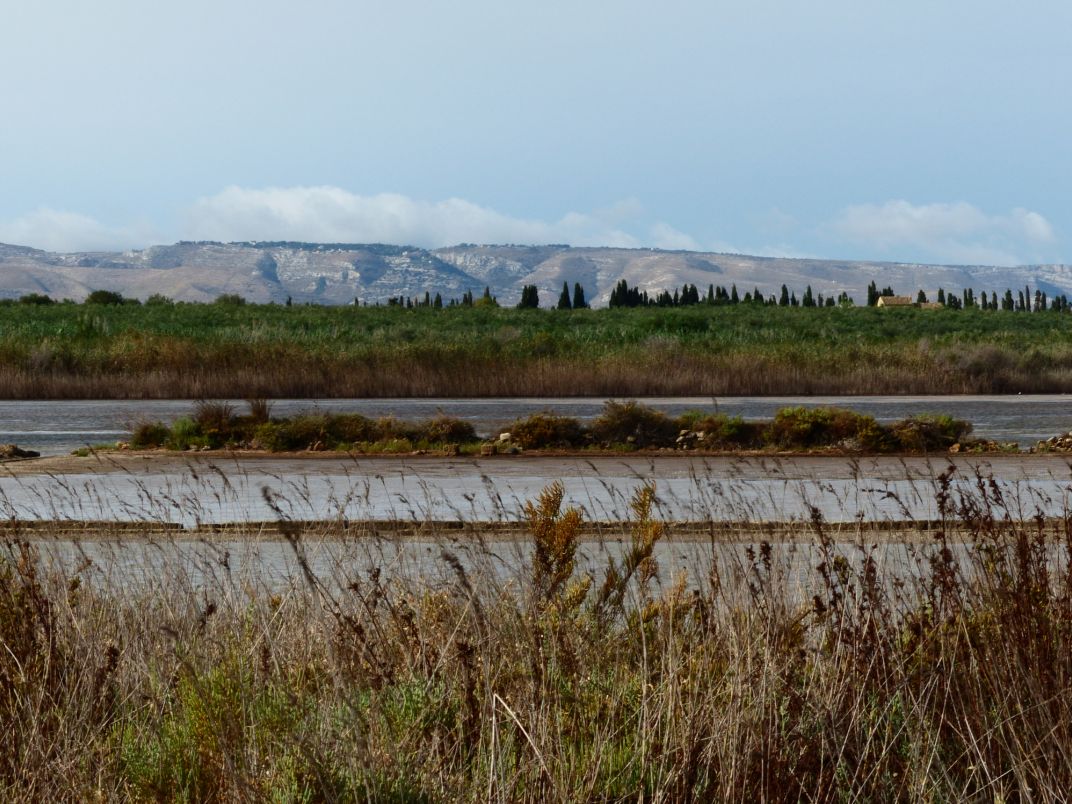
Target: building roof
{"type": "Point", "coordinates": [894, 301]}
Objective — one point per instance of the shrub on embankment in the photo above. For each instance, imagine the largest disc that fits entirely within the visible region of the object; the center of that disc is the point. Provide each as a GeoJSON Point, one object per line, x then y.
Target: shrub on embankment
{"type": "Point", "coordinates": [947, 677]}
{"type": "Point", "coordinates": [621, 426]}
{"type": "Point", "coordinates": [633, 425]}
{"type": "Point", "coordinates": [215, 425]}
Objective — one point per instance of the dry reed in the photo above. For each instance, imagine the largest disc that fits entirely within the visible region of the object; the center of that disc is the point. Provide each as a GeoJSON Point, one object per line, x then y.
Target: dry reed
{"type": "Point", "coordinates": [780, 675]}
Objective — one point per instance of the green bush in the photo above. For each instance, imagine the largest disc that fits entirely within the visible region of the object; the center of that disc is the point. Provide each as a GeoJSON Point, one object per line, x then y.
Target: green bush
{"type": "Point", "coordinates": [185, 433]}
{"type": "Point", "coordinates": [622, 421]}
{"type": "Point", "coordinates": [546, 430]}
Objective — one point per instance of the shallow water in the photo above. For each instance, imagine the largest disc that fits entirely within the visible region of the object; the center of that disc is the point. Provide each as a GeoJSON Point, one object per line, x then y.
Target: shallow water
{"type": "Point", "coordinates": [58, 427]}
{"type": "Point", "coordinates": [274, 565]}
{"type": "Point", "coordinates": [193, 492]}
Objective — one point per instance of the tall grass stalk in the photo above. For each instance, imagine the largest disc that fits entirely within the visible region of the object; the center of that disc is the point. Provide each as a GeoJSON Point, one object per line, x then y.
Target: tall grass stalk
{"type": "Point", "coordinates": [813, 673]}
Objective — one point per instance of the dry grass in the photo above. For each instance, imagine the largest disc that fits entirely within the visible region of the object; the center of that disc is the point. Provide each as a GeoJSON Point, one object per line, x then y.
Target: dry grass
{"type": "Point", "coordinates": [780, 676]}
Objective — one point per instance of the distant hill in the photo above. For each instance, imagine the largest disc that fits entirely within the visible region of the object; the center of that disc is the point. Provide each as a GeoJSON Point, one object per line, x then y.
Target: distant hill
{"type": "Point", "coordinates": [338, 273]}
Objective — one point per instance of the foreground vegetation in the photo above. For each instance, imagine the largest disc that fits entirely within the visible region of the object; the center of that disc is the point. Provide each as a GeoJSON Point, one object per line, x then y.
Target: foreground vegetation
{"type": "Point", "coordinates": [776, 674]}
{"type": "Point", "coordinates": [232, 350]}
{"type": "Point", "coordinates": [621, 426]}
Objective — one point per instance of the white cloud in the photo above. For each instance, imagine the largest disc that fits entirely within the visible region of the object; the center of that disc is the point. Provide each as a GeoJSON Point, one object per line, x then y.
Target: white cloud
{"type": "Point", "coordinates": [663, 235]}
{"type": "Point", "coordinates": [331, 214]}
{"type": "Point", "coordinates": [58, 230]}
{"type": "Point", "coordinates": [958, 232]}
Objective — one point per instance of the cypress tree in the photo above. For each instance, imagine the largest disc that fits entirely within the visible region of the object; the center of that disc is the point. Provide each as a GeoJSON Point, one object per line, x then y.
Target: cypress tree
{"type": "Point", "coordinates": [872, 294]}
{"type": "Point", "coordinates": [578, 297]}
{"type": "Point", "coordinates": [564, 299]}
{"type": "Point", "coordinates": [530, 298]}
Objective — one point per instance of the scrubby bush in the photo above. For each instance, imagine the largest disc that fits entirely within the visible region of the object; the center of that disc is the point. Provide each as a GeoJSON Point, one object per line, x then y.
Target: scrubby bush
{"type": "Point", "coordinates": [445, 430]}
{"type": "Point", "coordinates": [728, 432]}
{"type": "Point", "coordinates": [105, 297]}
{"type": "Point", "coordinates": [185, 434]}
{"type": "Point", "coordinates": [350, 428]}
{"type": "Point", "coordinates": [632, 422]}
{"type": "Point", "coordinates": [36, 298]}
{"type": "Point", "coordinates": [230, 300]}
{"type": "Point", "coordinates": [304, 431]}
{"type": "Point", "coordinates": [215, 420]}
{"type": "Point", "coordinates": [260, 410]}
{"type": "Point", "coordinates": [390, 427]}
{"type": "Point", "coordinates": [803, 428]}
{"type": "Point", "coordinates": [149, 435]}
{"type": "Point", "coordinates": [546, 430]}
{"type": "Point", "coordinates": [929, 432]}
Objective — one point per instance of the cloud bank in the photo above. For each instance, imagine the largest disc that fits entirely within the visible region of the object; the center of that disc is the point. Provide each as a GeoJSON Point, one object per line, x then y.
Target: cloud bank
{"type": "Point", "coordinates": [897, 230]}
{"type": "Point", "coordinates": [958, 233]}
{"type": "Point", "coordinates": [331, 214]}
{"type": "Point", "coordinates": [59, 230]}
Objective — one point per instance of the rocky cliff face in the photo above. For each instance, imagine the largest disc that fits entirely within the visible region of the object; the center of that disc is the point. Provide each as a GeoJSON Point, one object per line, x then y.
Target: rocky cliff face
{"type": "Point", "coordinates": [341, 273]}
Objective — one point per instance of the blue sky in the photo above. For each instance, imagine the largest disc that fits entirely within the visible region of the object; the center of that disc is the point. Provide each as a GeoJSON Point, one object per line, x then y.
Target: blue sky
{"type": "Point", "coordinates": [915, 131]}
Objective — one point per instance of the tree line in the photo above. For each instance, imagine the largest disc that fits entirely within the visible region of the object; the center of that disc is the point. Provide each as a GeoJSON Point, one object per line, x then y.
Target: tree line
{"type": "Point", "coordinates": [624, 295]}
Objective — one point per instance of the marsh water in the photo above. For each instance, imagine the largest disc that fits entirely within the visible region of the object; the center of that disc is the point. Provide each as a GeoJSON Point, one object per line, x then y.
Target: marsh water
{"type": "Point", "coordinates": [245, 566]}
{"type": "Point", "coordinates": [58, 427]}
{"type": "Point", "coordinates": [193, 491]}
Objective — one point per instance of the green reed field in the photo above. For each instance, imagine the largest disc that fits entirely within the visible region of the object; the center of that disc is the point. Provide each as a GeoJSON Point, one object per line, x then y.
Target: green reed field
{"type": "Point", "coordinates": [816, 673]}
{"type": "Point", "coordinates": [229, 350]}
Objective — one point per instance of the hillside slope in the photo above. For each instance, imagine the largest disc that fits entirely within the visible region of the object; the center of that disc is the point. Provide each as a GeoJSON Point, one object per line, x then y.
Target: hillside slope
{"type": "Point", "coordinates": [341, 273]}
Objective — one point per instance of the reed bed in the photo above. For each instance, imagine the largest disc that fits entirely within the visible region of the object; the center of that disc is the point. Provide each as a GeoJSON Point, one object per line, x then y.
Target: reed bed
{"type": "Point", "coordinates": [226, 351]}
{"type": "Point", "coordinates": [817, 670]}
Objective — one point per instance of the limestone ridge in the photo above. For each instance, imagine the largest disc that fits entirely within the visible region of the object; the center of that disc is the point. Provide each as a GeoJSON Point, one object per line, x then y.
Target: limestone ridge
{"type": "Point", "coordinates": [339, 273]}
